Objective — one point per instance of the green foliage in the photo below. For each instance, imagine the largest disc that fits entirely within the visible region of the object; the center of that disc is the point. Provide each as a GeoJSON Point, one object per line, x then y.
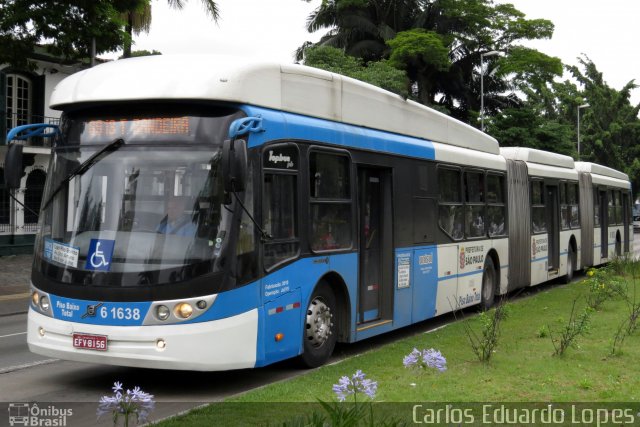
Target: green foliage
{"type": "Point", "coordinates": [603, 286]}
{"type": "Point", "coordinates": [438, 43]}
{"type": "Point", "coordinates": [380, 73]}
{"type": "Point", "coordinates": [68, 28]}
{"type": "Point", "coordinates": [418, 48]}
{"type": "Point", "coordinates": [138, 53]}
{"type": "Point", "coordinates": [529, 66]}
{"type": "Point", "coordinates": [610, 127]}
{"type": "Point", "coordinates": [543, 332]}
{"type": "Point", "coordinates": [576, 326]}
{"type": "Point", "coordinates": [484, 344]}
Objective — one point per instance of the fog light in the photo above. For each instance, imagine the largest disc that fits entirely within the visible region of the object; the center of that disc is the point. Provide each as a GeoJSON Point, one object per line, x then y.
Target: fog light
{"type": "Point", "coordinates": [184, 310]}
{"type": "Point", "coordinates": [41, 331]}
{"type": "Point", "coordinates": [161, 344]}
{"type": "Point", "coordinates": [35, 298]}
{"type": "Point", "coordinates": [44, 303]}
{"type": "Point", "coordinates": [162, 312]}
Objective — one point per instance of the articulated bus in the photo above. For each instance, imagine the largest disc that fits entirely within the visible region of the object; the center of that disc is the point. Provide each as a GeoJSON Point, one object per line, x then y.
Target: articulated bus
{"type": "Point", "coordinates": [205, 213]}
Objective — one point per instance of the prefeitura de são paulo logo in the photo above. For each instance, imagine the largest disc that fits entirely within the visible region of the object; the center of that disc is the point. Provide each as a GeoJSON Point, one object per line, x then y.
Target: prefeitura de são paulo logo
{"type": "Point", "coordinates": [32, 414]}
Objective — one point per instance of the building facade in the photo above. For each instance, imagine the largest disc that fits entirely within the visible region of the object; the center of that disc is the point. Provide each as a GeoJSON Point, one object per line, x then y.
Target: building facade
{"type": "Point", "coordinates": [24, 99]}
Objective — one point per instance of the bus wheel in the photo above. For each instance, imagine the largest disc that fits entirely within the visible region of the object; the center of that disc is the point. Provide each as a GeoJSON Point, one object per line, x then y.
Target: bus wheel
{"type": "Point", "coordinates": [570, 266]}
{"type": "Point", "coordinates": [488, 284]}
{"type": "Point", "coordinates": [319, 333]}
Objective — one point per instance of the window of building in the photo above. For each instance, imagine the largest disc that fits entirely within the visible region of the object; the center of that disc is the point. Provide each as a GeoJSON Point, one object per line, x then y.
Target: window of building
{"type": "Point", "coordinates": [450, 211]}
{"type": "Point", "coordinates": [330, 201]}
{"type": "Point", "coordinates": [19, 99]}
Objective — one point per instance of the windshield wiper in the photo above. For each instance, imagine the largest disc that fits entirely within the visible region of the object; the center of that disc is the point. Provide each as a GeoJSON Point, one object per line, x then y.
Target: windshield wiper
{"type": "Point", "coordinates": [85, 166]}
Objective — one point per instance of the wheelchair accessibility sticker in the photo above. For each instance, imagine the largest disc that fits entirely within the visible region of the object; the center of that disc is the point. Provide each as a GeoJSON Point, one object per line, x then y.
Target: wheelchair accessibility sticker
{"type": "Point", "coordinates": [99, 255]}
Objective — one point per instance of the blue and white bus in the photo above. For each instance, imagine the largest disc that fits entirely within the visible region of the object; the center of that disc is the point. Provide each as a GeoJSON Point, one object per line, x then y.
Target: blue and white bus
{"type": "Point", "coordinates": [207, 213]}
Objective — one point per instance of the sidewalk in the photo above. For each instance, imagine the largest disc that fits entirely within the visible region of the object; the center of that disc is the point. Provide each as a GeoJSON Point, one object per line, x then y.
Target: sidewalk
{"type": "Point", "coordinates": [15, 274]}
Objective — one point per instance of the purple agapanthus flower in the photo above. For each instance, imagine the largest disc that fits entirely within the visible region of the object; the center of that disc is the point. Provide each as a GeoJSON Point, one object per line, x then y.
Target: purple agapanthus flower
{"type": "Point", "coordinates": [425, 359]}
{"type": "Point", "coordinates": [131, 402]}
{"type": "Point", "coordinates": [358, 383]}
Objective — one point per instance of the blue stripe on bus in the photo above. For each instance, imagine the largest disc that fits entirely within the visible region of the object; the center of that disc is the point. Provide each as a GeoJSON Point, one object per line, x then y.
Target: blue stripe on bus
{"type": "Point", "coordinates": [540, 259]}
{"type": "Point", "coordinates": [282, 126]}
{"type": "Point", "coordinates": [453, 276]}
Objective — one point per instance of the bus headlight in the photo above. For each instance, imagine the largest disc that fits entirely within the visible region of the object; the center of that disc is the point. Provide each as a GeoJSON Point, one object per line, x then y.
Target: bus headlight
{"type": "Point", "coordinates": [44, 303]}
{"type": "Point", "coordinates": [35, 298]}
{"type": "Point", "coordinates": [162, 312]}
{"type": "Point", "coordinates": [184, 310]}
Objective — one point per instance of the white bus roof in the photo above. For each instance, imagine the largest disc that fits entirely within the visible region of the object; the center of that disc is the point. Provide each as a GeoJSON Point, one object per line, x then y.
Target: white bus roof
{"type": "Point", "coordinates": [292, 88]}
{"type": "Point", "coordinates": [597, 169]}
{"type": "Point", "coordinates": [531, 155]}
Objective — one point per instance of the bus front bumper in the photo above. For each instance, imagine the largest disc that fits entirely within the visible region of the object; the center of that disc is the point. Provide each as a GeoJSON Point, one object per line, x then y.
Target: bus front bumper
{"type": "Point", "coordinates": [218, 345]}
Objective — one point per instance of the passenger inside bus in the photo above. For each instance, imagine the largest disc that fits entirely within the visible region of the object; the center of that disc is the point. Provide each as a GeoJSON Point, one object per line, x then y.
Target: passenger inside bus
{"type": "Point", "coordinates": [178, 220]}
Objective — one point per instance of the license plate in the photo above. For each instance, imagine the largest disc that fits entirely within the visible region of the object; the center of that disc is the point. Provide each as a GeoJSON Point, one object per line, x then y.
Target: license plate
{"type": "Point", "coordinates": [90, 342]}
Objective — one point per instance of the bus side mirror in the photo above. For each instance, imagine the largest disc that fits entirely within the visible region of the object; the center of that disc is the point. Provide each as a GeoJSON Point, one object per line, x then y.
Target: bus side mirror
{"type": "Point", "coordinates": [234, 164]}
{"type": "Point", "coordinates": [13, 166]}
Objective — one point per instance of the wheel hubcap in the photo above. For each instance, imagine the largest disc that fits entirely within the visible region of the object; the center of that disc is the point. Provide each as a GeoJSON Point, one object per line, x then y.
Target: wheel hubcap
{"type": "Point", "coordinates": [318, 322]}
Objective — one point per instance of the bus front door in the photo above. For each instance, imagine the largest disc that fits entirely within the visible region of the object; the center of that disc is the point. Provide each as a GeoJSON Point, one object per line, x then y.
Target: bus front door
{"type": "Point", "coordinates": [553, 227]}
{"type": "Point", "coordinates": [604, 225]}
{"type": "Point", "coordinates": [626, 220]}
{"type": "Point", "coordinates": [376, 279]}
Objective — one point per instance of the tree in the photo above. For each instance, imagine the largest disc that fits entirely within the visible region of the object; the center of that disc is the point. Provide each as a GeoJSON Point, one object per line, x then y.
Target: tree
{"type": "Point", "coordinates": [67, 28]}
{"type": "Point", "coordinates": [380, 73]}
{"type": "Point", "coordinates": [423, 54]}
{"type": "Point", "coordinates": [610, 127]}
{"type": "Point", "coordinates": [466, 28]}
{"type": "Point", "coordinates": [138, 19]}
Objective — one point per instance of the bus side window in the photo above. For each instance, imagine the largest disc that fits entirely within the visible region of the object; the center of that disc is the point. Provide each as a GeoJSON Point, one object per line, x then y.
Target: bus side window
{"type": "Point", "coordinates": [330, 209]}
{"type": "Point", "coordinates": [280, 217]}
{"type": "Point", "coordinates": [496, 208]}
{"type": "Point", "coordinates": [596, 207]}
{"type": "Point", "coordinates": [474, 209]}
{"type": "Point", "coordinates": [246, 249]}
{"type": "Point", "coordinates": [450, 212]}
{"type": "Point", "coordinates": [538, 210]}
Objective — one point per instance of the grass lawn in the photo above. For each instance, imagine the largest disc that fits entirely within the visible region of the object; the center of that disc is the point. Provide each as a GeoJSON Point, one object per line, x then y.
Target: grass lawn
{"type": "Point", "coordinates": [522, 369]}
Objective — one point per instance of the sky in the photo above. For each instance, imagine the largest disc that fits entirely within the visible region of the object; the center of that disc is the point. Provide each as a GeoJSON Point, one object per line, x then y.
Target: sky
{"type": "Point", "coordinates": [607, 32]}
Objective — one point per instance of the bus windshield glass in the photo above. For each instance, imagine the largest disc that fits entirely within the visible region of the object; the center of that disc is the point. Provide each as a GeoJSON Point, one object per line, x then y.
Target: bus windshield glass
{"type": "Point", "coordinates": [135, 200]}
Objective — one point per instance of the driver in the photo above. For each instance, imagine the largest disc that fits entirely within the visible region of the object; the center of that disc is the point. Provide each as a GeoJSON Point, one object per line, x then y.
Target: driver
{"type": "Point", "coordinates": [178, 221]}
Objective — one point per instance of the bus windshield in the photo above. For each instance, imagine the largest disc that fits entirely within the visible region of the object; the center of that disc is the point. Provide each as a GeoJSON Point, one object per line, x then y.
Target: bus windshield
{"type": "Point", "coordinates": [147, 211]}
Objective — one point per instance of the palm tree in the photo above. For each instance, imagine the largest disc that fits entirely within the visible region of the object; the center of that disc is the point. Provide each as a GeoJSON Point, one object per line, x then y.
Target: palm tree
{"type": "Point", "coordinates": [138, 20]}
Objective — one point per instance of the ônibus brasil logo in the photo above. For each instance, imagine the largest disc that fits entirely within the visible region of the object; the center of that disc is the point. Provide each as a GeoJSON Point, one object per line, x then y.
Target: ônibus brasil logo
{"type": "Point", "coordinates": [30, 414]}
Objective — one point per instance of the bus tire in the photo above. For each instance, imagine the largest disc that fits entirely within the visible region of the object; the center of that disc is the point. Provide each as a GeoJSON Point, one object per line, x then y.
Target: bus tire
{"type": "Point", "coordinates": [571, 265]}
{"type": "Point", "coordinates": [319, 333]}
{"type": "Point", "coordinates": [488, 284]}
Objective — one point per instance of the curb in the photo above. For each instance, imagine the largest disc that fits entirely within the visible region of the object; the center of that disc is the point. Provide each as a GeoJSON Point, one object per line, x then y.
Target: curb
{"type": "Point", "coordinates": [11, 305]}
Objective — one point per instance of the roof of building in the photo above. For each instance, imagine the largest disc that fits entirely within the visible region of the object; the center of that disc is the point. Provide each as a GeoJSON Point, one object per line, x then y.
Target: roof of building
{"type": "Point", "coordinates": [293, 88]}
